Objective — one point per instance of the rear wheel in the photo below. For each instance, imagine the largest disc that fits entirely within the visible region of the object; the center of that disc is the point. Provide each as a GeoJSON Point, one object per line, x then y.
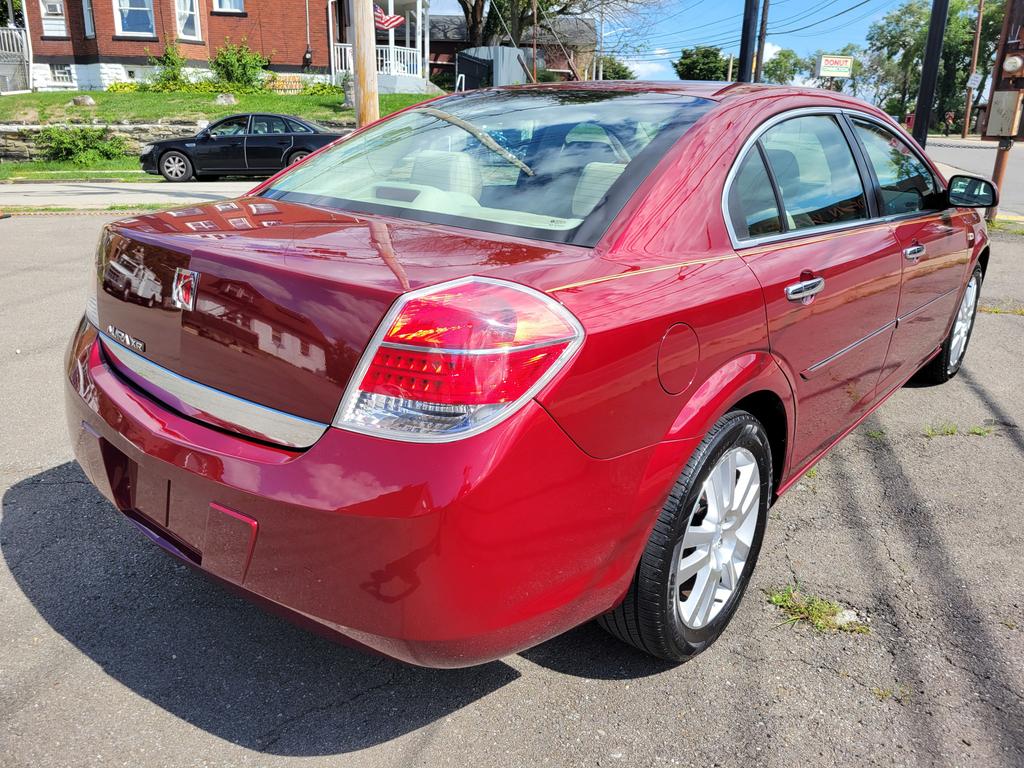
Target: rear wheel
{"type": "Point", "coordinates": [698, 561]}
{"type": "Point", "coordinates": [945, 365]}
{"type": "Point", "coordinates": [295, 157]}
{"type": "Point", "coordinates": [174, 166]}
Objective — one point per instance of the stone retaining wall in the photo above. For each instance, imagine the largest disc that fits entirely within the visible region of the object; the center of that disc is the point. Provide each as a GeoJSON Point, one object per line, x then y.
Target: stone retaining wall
{"type": "Point", "coordinates": [17, 141]}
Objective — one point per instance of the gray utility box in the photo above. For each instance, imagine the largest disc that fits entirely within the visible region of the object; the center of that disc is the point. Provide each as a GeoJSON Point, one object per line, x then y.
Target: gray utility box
{"type": "Point", "coordinates": [1004, 113]}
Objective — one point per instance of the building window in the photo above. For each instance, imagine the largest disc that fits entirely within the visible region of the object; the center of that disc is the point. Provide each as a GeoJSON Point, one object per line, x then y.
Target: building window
{"type": "Point", "coordinates": [61, 73]}
{"type": "Point", "coordinates": [54, 24]}
{"type": "Point", "coordinates": [188, 19]}
{"type": "Point", "coordinates": [229, 6]}
{"type": "Point", "coordinates": [134, 18]}
{"type": "Point", "coordinates": [87, 18]}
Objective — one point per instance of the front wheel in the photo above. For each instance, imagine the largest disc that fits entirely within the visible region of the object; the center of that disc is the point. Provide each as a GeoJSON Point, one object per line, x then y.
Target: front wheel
{"type": "Point", "coordinates": [175, 166]}
{"type": "Point", "coordinates": [945, 365]}
{"type": "Point", "coordinates": [698, 561]}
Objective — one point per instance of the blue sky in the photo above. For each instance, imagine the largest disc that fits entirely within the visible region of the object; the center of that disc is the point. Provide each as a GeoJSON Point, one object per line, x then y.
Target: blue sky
{"type": "Point", "coordinates": [830, 24]}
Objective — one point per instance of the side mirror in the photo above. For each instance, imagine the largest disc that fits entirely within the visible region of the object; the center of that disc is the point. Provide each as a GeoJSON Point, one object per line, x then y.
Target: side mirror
{"type": "Point", "coordinates": [971, 192]}
{"type": "Point", "coordinates": [203, 135]}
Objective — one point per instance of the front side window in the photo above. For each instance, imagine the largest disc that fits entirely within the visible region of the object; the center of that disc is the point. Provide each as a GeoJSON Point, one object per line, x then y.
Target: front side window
{"type": "Point", "coordinates": [87, 18]}
{"type": "Point", "coordinates": [752, 206]}
{"type": "Point", "coordinates": [815, 172]}
{"type": "Point", "coordinates": [554, 165]}
{"type": "Point", "coordinates": [134, 18]}
{"type": "Point", "coordinates": [188, 19]}
{"type": "Point", "coordinates": [233, 126]}
{"type": "Point", "coordinates": [905, 182]}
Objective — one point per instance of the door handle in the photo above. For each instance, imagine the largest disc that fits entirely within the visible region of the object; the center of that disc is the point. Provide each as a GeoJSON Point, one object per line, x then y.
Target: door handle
{"type": "Point", "coordinates": [805, 289]}
{"type": "Point", "coordinates": [914, 252]}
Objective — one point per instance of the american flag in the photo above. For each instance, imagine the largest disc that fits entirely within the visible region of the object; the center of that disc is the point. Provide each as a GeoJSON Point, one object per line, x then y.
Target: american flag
{"type": "Point", "coordinates": [382, 21]}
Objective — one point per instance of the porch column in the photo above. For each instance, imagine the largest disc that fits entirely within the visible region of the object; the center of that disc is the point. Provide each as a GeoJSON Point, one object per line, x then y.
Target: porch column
{"type": "Point", "coordinates": [391, 41]}
{"type": "Point", "coordinates": [426, 38]}
{"type": "Point", "coordinates": [419, 33]}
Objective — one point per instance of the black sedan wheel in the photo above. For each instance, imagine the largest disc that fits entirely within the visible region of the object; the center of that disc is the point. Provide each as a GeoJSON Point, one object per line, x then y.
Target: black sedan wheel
{"type": "Point", "coordinates": [295, 157]}
{"type": "Point", "coordinates": [174, 166]}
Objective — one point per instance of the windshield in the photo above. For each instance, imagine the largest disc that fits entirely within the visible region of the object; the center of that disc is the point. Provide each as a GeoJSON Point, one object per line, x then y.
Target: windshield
{"type": "Point", "coordinates": [550, 164]}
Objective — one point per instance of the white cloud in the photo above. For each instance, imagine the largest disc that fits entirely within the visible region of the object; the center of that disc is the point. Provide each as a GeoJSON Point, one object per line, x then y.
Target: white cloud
{"type": "Point", "coordinates": [652, 70]}
{"type": "Point", "coordinates": [770, 50]}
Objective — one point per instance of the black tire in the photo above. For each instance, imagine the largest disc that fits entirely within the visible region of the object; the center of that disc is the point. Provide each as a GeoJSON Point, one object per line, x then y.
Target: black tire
{"type": "Point", "coordinates": [648, 617]}
{"type": "Point", "coordinates": [294, 157]}
{"type": "Point", "coordinates": [175, 166]}
{"type": "Point", "coordinates": [942, 367]}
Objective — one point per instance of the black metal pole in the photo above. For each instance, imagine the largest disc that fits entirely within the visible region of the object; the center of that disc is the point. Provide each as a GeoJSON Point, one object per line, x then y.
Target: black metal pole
{"type": "Point", "coordinates": [930, 70]}
{"type": "Point", "coordinates": [746, 62]}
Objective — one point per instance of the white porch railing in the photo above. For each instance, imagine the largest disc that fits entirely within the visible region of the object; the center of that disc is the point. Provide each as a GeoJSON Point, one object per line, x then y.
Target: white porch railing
{"type": "Point", "coordinates": [391, 59]}
{"type": "Point", "coordinates": [14, 64]}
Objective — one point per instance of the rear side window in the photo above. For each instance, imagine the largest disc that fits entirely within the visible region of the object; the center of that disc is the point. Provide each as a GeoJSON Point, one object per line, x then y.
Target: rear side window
{"type": "Point", "coordinates": [297, 127]}
{"type": "Point", "coordinates": [903, 179]}
{"type": "Point", "coordinates": [815, 172]}
{"type": "Point", "coordinates": [752, 205]}
{"type": "Point", "coordinates": [266, 124]}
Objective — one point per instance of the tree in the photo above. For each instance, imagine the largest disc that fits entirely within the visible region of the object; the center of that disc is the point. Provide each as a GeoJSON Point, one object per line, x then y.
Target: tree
{"type": "Point", "coordinates": [701, 63]}
{"type": "Point", "coordinates": [855, 84]}
{"type": "Point", "coordinates": [473, 10]}
{"type": "Point", "coordinates": [783, 67]}
{"type": "Point", "coordinates": [19, 17]}
{"type": "Point", "coordinates": [616, 70]}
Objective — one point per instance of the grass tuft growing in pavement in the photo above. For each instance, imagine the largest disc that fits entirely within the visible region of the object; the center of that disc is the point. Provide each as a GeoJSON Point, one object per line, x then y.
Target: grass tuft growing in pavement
{"type": "Point", "coordinates": [943, 430]}
{"type": "Point", "coordinates": [821, 614]}
{"type": "Point", "coordinates": [876, 434]}
{"type": "Point", "coordinates": [980, 431]}
{"type": "Point", "coordinates": [989, 310]}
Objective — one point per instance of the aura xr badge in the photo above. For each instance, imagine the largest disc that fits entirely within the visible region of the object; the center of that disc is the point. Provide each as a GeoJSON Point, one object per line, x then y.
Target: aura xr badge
{"type": "Point", "coordinates": [122, 338]}
{"type": "Point", "coordinates": [184, 288]}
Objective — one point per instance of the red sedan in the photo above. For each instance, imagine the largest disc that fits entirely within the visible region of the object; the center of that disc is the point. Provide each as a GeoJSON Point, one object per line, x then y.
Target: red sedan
{"type": "Point", "coordinates": [515, 359]}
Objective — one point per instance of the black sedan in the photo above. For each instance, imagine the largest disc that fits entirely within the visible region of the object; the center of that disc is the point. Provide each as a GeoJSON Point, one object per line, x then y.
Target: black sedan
{"type": "Point", "coordinates": [240, 145]}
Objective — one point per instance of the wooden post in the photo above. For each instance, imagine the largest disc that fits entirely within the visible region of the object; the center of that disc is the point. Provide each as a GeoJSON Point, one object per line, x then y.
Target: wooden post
{"type": "Point", "coordinates": [364, 62]}
{"type": "Point", "coordinates": [535, 41]}
{"type": "Point", "coordinates": [974, 67]}
{"type": "Point", "coordinates": [762, 37]}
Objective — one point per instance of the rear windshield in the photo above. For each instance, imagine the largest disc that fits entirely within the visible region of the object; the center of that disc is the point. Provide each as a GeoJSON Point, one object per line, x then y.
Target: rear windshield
{"type": "Point", "coordinates": [553, 164]}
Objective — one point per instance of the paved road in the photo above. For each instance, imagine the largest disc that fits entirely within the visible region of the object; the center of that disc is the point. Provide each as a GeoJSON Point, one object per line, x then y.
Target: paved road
{"type": "Point", "coordinates": [92, 194]}
{"type": "Point", "coordinates": [114, 655]}
{"type": "Point", "coordinates": [979, 157]}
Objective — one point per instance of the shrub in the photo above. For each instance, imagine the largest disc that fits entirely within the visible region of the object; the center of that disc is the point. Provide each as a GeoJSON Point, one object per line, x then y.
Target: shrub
{"type": "Point", "coordinates": [444, 80]}
{"type": "Point", "coordinates": [125, 86]}
{"type": "Point", "coordinates": [239, 65]}
{"type": "Point", "coordinates": [322, 89]}
{"type": "Point", "coordinates": [547, 76]}
{"type": "Point", "coordinates": [170, 71]}
{"type": "Point", "coordinates": [80, 145]}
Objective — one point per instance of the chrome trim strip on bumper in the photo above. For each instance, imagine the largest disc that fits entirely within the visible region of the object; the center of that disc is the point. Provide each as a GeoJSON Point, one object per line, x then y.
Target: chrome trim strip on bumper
{"type": "Point", "coordinates": [211, 405]}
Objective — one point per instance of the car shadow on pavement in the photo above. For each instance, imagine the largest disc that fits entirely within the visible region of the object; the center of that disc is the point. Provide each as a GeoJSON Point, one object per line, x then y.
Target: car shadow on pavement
{"type": "Point", "coordinates": [202, 654]}
{"type": "Point", "coordinates": [973, 652]}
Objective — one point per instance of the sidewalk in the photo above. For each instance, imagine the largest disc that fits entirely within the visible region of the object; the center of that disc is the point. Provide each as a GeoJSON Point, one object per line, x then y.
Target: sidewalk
{"type": "Point", "coordinates": [82, 195]}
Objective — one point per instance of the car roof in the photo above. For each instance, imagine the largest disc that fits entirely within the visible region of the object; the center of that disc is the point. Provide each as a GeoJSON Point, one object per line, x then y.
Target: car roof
{"type": "Point", "coordinates": [719, 91]}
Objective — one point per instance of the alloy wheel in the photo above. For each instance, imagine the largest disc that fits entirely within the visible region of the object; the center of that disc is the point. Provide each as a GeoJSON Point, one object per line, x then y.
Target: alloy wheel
{"type": "Point", "coordinates": [962, 324]}
{"type": "Point", "coordinates": [297, 157]}
{"type": "Point", "coordinates": [715, 546]}
{"type": "Point", "coordinates": [174, 166]}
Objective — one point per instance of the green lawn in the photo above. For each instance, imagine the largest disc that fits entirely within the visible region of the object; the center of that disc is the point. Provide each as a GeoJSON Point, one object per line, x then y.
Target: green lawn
{"type": "Point", "coordinates": [122, 169]}
{"type": "Point", "coordinates": [149, 107]}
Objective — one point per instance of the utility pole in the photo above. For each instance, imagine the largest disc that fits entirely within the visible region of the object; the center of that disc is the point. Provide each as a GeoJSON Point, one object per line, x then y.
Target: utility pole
{"type": "Point", "coordinates": [535, 41]}
{"type": "Point", "coordinates": [746, 62]}
{"type": "Point", "coordinates": [761, 36]}
{"type": "Point", "coordinates": [1003, 118]}
{"type": "Point", "coordinates": [974, 66]}
{"type": "Point", "coordinates": [728, 77]}
{"type": "Point", "coordinates": [930, 70]}
{"type": "Point", "coordinates": [365, 63]}
{"type": "Point", "coordinates": [600, 55]}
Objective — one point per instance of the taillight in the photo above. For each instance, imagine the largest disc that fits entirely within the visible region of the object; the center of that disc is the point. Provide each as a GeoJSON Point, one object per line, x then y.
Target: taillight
{"type": "Point", "coordinates": [454, 359]}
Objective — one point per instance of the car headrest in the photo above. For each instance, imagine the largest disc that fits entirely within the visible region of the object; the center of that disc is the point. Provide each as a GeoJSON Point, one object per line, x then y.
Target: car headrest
{"type": "Point", "coordinates": [594, 183]}
{"type": "Point", "coordinates": [450, 171]}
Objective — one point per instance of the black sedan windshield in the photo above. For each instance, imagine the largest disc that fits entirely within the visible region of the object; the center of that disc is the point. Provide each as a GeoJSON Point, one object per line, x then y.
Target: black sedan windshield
{"type": "Point", "coordinates": [547, 163]}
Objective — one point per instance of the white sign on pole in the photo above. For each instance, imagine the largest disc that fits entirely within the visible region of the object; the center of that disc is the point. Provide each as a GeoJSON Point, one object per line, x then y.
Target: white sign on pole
{"type": "Point", "coordinates": [834, 66]}
{"type": "Point", "coordinates": [974, 81]}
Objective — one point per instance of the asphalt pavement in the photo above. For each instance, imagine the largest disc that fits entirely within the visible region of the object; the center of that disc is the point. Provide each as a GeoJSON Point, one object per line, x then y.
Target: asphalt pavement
{"type": "Point", "coordinates": [84, 195]}
{"type": "Point", "coordinates": [113, 654]}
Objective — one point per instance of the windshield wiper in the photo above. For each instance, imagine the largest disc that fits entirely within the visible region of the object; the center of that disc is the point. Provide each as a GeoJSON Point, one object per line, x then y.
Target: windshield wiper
{"type": "Point", "coordinates": [479, 135]}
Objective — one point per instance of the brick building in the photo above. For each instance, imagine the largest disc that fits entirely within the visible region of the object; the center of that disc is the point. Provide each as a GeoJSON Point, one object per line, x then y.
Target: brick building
{"type": "Point", "coordinates": [89, 44]}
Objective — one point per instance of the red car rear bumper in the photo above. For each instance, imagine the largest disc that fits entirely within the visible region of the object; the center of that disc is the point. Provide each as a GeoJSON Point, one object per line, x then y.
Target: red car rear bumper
{"type": "Point", "coordinates": [438, 554]}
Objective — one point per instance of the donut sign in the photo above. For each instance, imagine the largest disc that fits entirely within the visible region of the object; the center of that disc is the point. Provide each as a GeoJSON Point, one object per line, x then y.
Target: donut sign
{"type": "Point", "coordinates": [834, 66]}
